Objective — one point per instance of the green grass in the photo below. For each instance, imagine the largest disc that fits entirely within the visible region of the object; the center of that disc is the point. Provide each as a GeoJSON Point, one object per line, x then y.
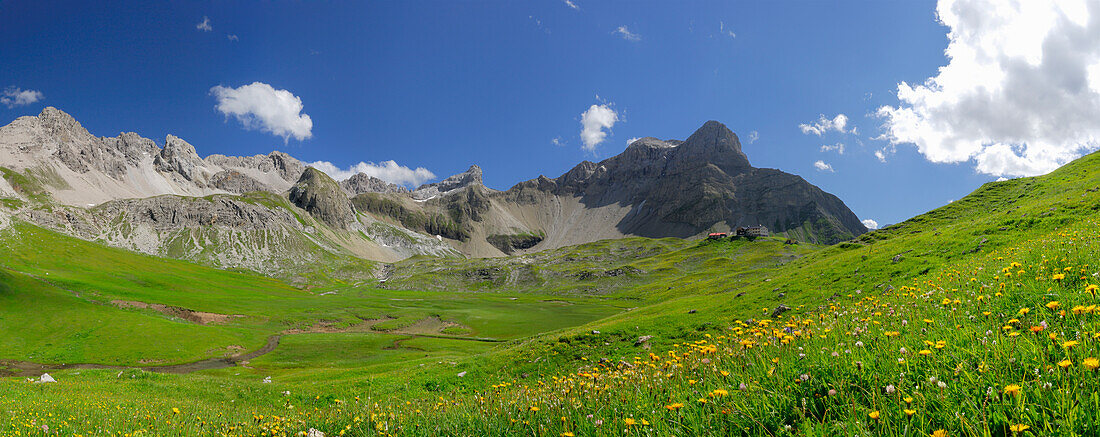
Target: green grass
{"type": "Point", "coordinates": [361, 350]}
{"type": "Point", "coordinates": [570, 332]}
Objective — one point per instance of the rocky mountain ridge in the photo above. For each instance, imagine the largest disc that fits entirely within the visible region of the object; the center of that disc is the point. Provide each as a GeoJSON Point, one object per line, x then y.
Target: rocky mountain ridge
{"type": "Point", "coordinates": [127, 191]}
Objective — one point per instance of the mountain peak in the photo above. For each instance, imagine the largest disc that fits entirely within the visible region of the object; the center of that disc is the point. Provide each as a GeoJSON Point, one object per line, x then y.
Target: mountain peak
{"type": "Point", "coordinates": [714, 143]}
{"type": "Point", "coordinates": [61, 125]}
{"type": "Point", "coordinates": [469, 177]}
{"type": "Point", "coordinates": [178, 156]}
{"type": "Point", "coordinates": [322, 197]}
{"type": "Point", "coordinates": [360, 183]}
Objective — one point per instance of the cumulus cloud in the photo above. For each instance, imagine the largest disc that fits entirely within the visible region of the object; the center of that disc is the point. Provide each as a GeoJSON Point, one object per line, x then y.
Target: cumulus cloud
{"type": "Point", "coordinates": [870, 224]}
{"type": "Point", "coordinates": [632, 140]}
{"type": "Point", "coordinates": [838, 148]}
{"type": "Point", "coordinates": [259, 106]}
{"type": "Point", "coordinates": [1020, 94]}
{"type": "Point", "coordinates": [838, 123]}
{"type": "Point", "coordinates": [627, 34]}
{"type": "Point", "coordinates": [753, 136]}
{"type": "Point", "coordinates": [204, 25]}
{"type": "Point", "coordinates": [13, 97]}
{"type": "Point", "coordinates": [389, 171]}
{"type": "Point", "coordinates": [570, 4]}
{"type": "Point", "coordinates": [823, 166]}
{"type": "Point", "coordinates": [593, 122]}
{"type": "Point", "coordinates": [232, 37]}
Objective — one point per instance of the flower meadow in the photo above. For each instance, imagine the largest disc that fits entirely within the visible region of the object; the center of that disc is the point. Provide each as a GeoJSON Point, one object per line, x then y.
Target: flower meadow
{"type": "Point", "coordinates": [1003, 343]}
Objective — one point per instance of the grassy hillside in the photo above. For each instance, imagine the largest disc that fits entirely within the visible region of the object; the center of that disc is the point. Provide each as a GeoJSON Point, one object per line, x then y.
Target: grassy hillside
{"type": "Point", "coordinates": [977, 318]}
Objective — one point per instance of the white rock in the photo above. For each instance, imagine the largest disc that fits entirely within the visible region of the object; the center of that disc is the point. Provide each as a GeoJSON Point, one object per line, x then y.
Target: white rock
{"type": "Point", "coordinates": [461, 374]}
{"type": "Point", "coordinates": [267, 380]}
{"type": "Point", "coordinates": [46, 378]}
{"type": "Point", "coordinates": [315, 433]}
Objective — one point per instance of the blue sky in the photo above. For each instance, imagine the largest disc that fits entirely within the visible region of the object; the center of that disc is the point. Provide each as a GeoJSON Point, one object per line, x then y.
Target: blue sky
{"type": "Point", "coordinates": [443, 85]}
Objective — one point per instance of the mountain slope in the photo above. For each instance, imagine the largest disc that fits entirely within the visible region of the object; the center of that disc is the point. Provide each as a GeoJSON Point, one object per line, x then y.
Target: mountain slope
{"type": "Point", "coordinates": [653, 189]}
{"type": "Point", "coordinates": [56, 173]}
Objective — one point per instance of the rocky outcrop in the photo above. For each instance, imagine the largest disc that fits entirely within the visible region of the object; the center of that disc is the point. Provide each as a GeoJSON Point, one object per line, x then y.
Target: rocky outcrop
{"type": "Point", "coordinates": [178, 156]}
{"type": "Point", "coordinates": [362, 183]}
{"type": "Point", "coordinates": [286, 167]}
{"type": "Point", "coordinates": [471, 176]}
{"type": "Point", "coordinates": [323, 198]}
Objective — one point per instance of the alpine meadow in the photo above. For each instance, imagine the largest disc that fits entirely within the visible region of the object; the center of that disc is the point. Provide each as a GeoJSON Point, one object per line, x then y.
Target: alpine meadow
{"type": "Point", "coordinates": [669, 284]}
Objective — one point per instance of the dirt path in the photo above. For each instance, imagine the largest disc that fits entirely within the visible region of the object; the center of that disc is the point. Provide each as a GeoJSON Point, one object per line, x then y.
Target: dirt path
{"type": "Point", "coordinates": [27, 368]}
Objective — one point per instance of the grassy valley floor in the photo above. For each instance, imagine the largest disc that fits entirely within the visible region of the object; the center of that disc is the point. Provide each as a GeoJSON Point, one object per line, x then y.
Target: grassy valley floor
{"type": "Point", "coordinates": [978, 318]}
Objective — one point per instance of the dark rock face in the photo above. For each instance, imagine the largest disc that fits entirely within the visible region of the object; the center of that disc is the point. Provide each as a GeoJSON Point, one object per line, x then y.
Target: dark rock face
{"type": "Point", "coordinates": [362, 183]}
{"type": "Point", "coordinates": [322, 197]}
{"type": "Point", "coordinates": [683, 188]}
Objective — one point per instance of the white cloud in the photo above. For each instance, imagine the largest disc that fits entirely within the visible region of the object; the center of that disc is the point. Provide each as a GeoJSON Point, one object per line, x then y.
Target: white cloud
{"type": "Point", "coordinates": [722, 29]}
{"type": "Point", "coordinates": [232, 37]}
{"type": "Point", "coordinates": [1020, 94]}
{"type": "Point", "coordinates": [570, 4]}
{"type": "Point", "coordinates": [627, 34]}
{"type": "Point", "coordinates": [870, 224]}
{"type": "Point", "coordinates": [632, 140]}
{"type": "Point", "coordinates": [557, 141]}
{"type": "Point", "coordinates": [259, 106]}
{"type": "Point", "coordinates": [881, 155]}
{"type": "Point", "coordinates": [593, 122]}
{"type": "Point", "coordinates": [823, 125]}
{"type": "Point", "coordinates": [753, 136]}
{"type": "Point", "coordinates": [204, 25]}
{"type": "Point", "coordinates": [13, 97]}
{"type": "Point", "coordinates": [389, 171]}
{"type": "Point", "coordinates": [838, 148]}
{"type": "Point", "coordinates": [822, 166]}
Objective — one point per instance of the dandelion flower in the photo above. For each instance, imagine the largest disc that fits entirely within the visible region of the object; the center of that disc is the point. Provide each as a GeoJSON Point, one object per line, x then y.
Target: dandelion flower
{"type": "Point", "coordinates": [874, 415]}
{"type": "Point", "coordinates": [629, 421]}
{"type": "Point", "coordinates": [939, 433]}
{"type": "Point", "coordinates": [1018, 428]}
{"type": "Point", "coordinates": [1012, 389]}
{"type": "Point", "coordinates": [1091, 363]}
